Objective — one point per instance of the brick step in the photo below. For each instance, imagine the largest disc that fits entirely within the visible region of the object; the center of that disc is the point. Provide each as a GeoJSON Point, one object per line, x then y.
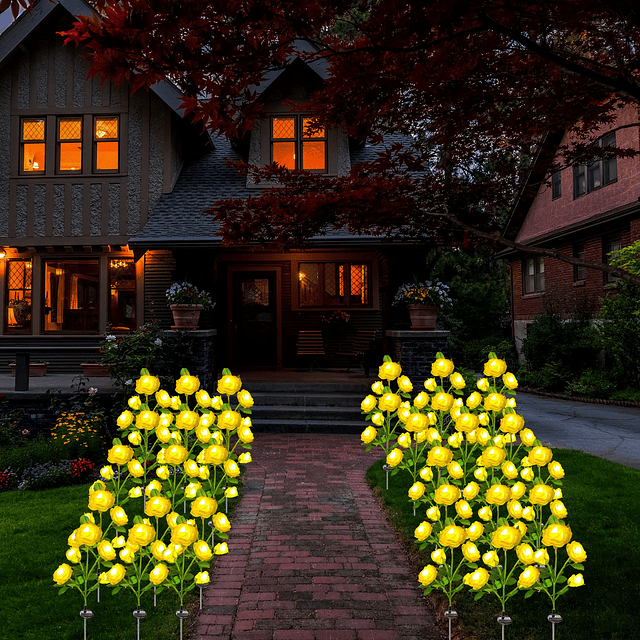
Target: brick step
{"type": "Point", "coordinates": [328, 413]}
{"type": "Point", "coordinates": [308, 399]}
{"type": "Point", "coordinates": [261, 425]}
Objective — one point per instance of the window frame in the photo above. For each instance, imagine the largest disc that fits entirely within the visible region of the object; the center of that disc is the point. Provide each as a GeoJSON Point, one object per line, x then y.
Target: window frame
{"type": "Point", "coordinates": [60, 141]}
{"type": "Point", "coordinates": [97, 140]}
{"type": "Point", "coordinates": [556, 185]}
{"type": "Point", "coordinates": [578, 272]}
{"type": "Point", "coordinates": [23, 142]}
{"type": "Point", "coordinates": [7, 329]}
{"type": "Point", "coordinates": [584, 175]}
{"type": "Point", "coordinates": [607, 242]}
{"type": "Point", "coordinates": [533, 283]}
{"type": "Point", "coordinates": [299, 140]}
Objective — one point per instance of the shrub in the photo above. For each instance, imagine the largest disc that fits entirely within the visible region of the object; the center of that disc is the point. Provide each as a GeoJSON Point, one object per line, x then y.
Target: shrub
{"type": "Point", "coordinates": [593, 383]}
{"type": "Point", "coordinates": [80, 433]}
{"type": "Point", "coordinates": [46, 476]}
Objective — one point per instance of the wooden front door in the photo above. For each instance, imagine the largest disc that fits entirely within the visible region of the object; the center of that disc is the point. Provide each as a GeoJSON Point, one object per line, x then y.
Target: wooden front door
{"type": "Point", "coordinates": [254, 319]}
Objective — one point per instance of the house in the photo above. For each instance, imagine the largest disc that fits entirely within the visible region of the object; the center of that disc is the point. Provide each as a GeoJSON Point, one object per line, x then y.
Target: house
{"type": "Point", "coordinates": [103, 195]}
{"type": "Point", "coordinates": [586, 211]}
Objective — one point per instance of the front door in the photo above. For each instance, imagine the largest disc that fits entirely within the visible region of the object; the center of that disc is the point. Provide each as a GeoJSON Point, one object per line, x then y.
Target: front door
{"type": "Point", "coordinates": [254, 319]}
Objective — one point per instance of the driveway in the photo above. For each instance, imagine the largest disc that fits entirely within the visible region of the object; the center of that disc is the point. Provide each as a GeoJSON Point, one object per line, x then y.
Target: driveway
{"type": "Point", "coordinates": [609, 432]}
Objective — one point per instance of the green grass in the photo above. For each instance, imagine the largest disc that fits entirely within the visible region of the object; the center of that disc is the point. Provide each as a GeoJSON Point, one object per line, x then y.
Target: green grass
{"type": "Point", "coordinates": [34, 526]}
{"type": "Point", "coordinates": [603, 501]}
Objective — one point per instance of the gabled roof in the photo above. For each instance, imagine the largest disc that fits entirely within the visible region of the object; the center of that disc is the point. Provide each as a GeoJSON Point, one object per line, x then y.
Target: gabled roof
{"type": "Point", "coordinates": [179, 218]}
{"type": "Point", "coordinates": [13, 36]}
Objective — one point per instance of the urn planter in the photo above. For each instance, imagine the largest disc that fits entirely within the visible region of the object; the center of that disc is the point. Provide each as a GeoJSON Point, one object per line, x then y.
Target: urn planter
{"type": "Point", "coordinates": [185, 316]}
{"type": "Point", "coordinates": [423, 316]}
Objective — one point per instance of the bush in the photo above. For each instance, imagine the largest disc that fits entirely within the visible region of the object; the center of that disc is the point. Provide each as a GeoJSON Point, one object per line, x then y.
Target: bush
{"type": "Point", "coordinates": [32, 452]}
{"type": "Point", "coordinates": [47, 475]}
{"type": "Point", "coordinates": [551, 377]}
{"type": "Point", "coordinates": [593, 383]}
{"type": "Point", "coordinates": [473, 353]}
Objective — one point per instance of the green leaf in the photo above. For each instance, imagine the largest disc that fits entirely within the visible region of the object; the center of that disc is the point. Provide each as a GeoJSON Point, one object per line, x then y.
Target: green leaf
{"type": "Point", "coordinates": [548, 583]}
{"type": "Point", "coordinates": [159, 590]}
{"type": "Point", "coordinates": [529, 593]}
{"type": "Point", "coordinates": [62, 590]}
{"type": "Point", "coordinates": [226, 372]}
{"type": "Point", "coordinates": [385, 359]}
{"type": "Point", "coordinates": [478, 595]}
{"type": "Point", "coordinates": [511, 581]}
{"type": "Point", "coordinates": [561, 579]}
{"type": "Point", "coordinates": [184, 372]}
{"type": "Point", "coordinates": [116, 589]}
{"type": "Point", "coordinates": [577, 566]}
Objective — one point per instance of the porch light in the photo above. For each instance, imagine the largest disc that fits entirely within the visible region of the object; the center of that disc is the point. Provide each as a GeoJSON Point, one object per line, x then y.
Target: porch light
{"type": "Point", "coordinates": [3, 253]}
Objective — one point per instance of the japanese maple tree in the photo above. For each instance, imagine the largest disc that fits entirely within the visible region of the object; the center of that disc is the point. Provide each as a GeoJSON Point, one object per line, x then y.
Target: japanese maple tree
{"type": "Point", "coordinates": [481, 87]}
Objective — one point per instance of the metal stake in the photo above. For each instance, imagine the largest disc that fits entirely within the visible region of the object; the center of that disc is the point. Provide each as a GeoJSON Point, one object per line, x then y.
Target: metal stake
{"type": "Point", "coordinates": [85, 614]}
{"type": "Point", "coordinates": [504, 620]}
{"type": "Point", "coordinates": [450, 614]}
{"type": "Point", "coordinates": [554, 618]}
{"type": "Point", "coordinates": [98, 590]}
{"type": "Point", "coordinates": [182, 614]}
{"type": "Point", "coordinates": [154, 596]}
{"type": "Point", "coordinates": [201, 586]}
{"type": "Point", "coordinates": [386, 468]}
{"type": "Point", "coordinates": [138, 614]}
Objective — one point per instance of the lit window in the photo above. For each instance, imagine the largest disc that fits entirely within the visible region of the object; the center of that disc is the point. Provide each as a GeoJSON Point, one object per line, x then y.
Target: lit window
{"type": "Point", "coordinates": [533, 275]}
{"type": "Point", "coordinates": [69, 144]}
{"type": "Point", "coordinates": [32, 145]}
{"type": "Point", "coordinates": [106, 144]}
{"type": "Point", "coordinates": [333, 284]}
{"type": "Point", "coordinates": [122, 294]}
{"type": "Point", "coordinates": [297, 142]}
{"type": "Point", "coordinates": [18, 301]}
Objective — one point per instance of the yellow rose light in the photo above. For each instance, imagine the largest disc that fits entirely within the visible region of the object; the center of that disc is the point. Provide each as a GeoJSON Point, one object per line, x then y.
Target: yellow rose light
{"type": "Point", "coordinates": [187, 385]}
{"type": "Point", "coordinates": [442, 368]}
{"type": "Point", "coordinates": [62, 574]}
{"type": "Point", "coordinates": [245, 434]}
{"type": "Point", "coordinates": [187, 420]}
{"type": "Point", "coordinates": [558, 509]}
{"type": "Point", "coordinates": [394, 458]}
{"type": "Point", "coordinates": [477, 579]}
{"type": "Point", "coordinates": [427, 575]}
{"type": "Point", "coordinates": [439, 456]}
{"type": "Point", "coordinates": [158, 574]}
{"type": "Point", "coordinates": [455, 470]}
{"type": "Point", "coordinates": [505, 537]}
{"type": "Point", "coordinates": [480, 473]}
{"type": "Point", "coordinates": [439, 556]}
{"type": "Point", "coordinates": [125, 419]}
{"type": "Point", "coordinates": [515, 509]}
{"type": "Point", "coordinates": [120, 454]}
{"type": "Point", "coordinates": [142, 534]}
{"type": "Point", "coordinates": [493, 456]}
{"type": "Point", "coordinates": [498, 494]}
{"type": "Point", "coordinates": [101, 501]}
{"type": "Point", "coordinates": [540, 456]}
{"type": "Point", "coordinates": [433, 513]}
{"type": "Point", "coordinates": [483, 384]}
{"type": "Point", "coordinates": [229, 385]}
{"type": "Point", "coordinates": [556, 535]}
{"type": "Point", "coordinates": [467, 422]}
{"type": "Point", "coordinates": [203, 507]}
{"type": "Point", "coordinates": [417, 422]}
{"type": "Point", "coordinates": [191, 468]}
{"type": "Point", "coordinates": [389, 371]}
{"type": "Point", "coordinates": [389, 402]}
{"type": "Point", "coordinates": [555, 470]}
{"type": "Point", "coordinates": [88, 534]}
{"type": "Point", "coordinates": [369, 403]}
{"type": "Point", "coordinates": [494, 402]}
{"type": "Point", "coordinates": [157, 506]}
{"type": "Point", "coordinates": [576, 552]}
{"type": "Point", "coordinates": [377, 387]}
{"type": "Point", "coordinates": [404, 440]}
{"type": "Point", "coordinates": [175, 454]}
{"type": "Point", "coordinates": [426, 473]}
{"type": "Point", "coordinates": [541, 494]}
{"type": "Point", "coordinates": [494, 368]}
{"type": "Point", "coordinates": [73, 555]}
{"type": "Point", "coordinates": [229, 420]}
{"type": "Point", "coordinates": [470, 552]}
{"type": "Point", "coordinates": [147, 420]}
{"type": "Point", "coordinates": [528, 437]}
{"type": "Point", "coordinates": [119, 516]}
{"type": "Point", "coordinates": [416, 491]}
{"type": "Point", "coordinates": [184, 534]}
{"type": "Point", "coordinates": [202, 550]}
{"type": "Point", "coordinates": [463, 509]}
{"type": "Point", "coordinates": [511, 423]}
{"type": "Point", "coordinates": [484, 513]}
{"type": "Point", "coordinates": [147, 385]}
{"type": "Point", "coordinates": [404, 384]}
{"type": "Point", "coordinates": [369, 435]}
{"type": "Point", "coordinates": [231, 468]}
{"type": "Point", "coordinates": [442, 401]}
{"type": "Point", "coordinates": [509, 470]}
{"type": "Point", "coordinates": [423, 531]}
{"type": "Point", "coordinates": [490, 558]}
{"type": "Point", "coordinates": [471, 490]}
{"type": "Point", "coordinates": [221, 523]}
{"type": "Point", "coordinates": [106, 550]}
{"type": "Point", "coordinates": [244, 458]}
{"type": "Point", "coordinates": [576, 580]}
{"type": "Point", "coordinates": [528, 577]}
{"type": "Point", "coordinates": [525, 552]}
{"type": "Point", "coordinates": [163, 398]}
{"type": "Point", "coordinates": [116, 574]}
{"type": "Point", "coordinates": [231, 492]}
{"type": "Point", "coordinates": [421, 400]}
{"type": "Point", "coordinates": [510, 381]}
{"type": "Point", "coordinates": [475, 530]}
{"type": "Point", "coordinates": [446, 494]}
{"type": "Point", "coordinates": [215, 454]}
{"type": "Point", "coordinates": [221, 549]}
{"type": "Point", "coordinates": [455, 440]}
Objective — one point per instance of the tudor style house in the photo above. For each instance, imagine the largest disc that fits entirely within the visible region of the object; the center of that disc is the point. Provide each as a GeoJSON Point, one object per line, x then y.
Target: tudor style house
{"type": "Point", "coordinates": [103, 195]}
{"type": "Point", "coordinates": [587, 211]}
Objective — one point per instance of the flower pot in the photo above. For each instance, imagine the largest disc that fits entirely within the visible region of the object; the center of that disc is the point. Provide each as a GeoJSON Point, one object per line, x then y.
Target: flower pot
{"type": "Point", "coordinates": [423, 316]}
{"type": "Point", "coordinates": [95, 370]}
{"type": "Point", "coordinates": [36, 369]}
{"type": "Point", "coordinates": [185, 316]}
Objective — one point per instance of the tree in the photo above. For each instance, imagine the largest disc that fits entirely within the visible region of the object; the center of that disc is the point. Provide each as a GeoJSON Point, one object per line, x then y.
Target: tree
{"type": "Point", "coordinates": [487, 84]}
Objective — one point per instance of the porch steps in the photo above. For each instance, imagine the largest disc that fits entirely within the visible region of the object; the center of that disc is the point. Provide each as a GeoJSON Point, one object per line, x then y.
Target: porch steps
{"type": "Point", "coordinates": [290, 407]}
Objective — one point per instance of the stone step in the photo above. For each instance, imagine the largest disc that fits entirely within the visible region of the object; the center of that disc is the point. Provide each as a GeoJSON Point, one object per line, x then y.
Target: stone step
{"type": "Point", "coordinates": [321, 388]}
{"type": "Point", "coordinates": [308, 426]}
{"type": "Point", "coordinates": [306, 399]}
{"type": "Point", "coordinates": [329, 413]}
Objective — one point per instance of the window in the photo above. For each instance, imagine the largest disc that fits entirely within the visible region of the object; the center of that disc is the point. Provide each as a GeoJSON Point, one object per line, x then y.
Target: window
{"type": "Point", "coordinates": [18, 300]}
{"type": "Point", "coordinates": [106, 144]}
{"type": "Point", "coordinates": [610, 246]}
{"type": "Point", "coordinates": [122, 293]}
{"type": "Point", "coordinates": [32, 145]}
{"type": "Point", "coordinates": [298, 143]}
{"type": "Point", "coordinates": [556, 185]}
{"type": "Point", "coordinates": [533, 276]}
{"type": "Point", "coordinates": [334, 284]}
{"type": "Point", "coordinates": [578, 252]}
{"type": "Point", "coordinates": [69, 144]}
{"type": "Point", "coordinates": [71, 294]}
{"type": "Point", "coordinates": [596, 174]}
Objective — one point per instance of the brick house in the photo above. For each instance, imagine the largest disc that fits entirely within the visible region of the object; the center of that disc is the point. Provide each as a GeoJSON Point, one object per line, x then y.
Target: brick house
{"type": "Point", "coordinates": [102, 201]}
{"type": "Point", "coordinates": [586, 211]}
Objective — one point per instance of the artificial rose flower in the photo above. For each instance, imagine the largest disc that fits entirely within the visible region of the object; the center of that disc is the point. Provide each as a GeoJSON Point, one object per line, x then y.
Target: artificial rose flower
{"type": "Point", "coordinates": [527, 474]}
{"type": "Point", "coordinates": [158, 574]}
{"type": "Point", "coordinates": [494, 368]}
{"type": "Point", "coordinates": [471, 490]}
{"type": "Point", "coordinates": [442, 368]}
{"type": "Point", "coordinates": [427, 575]}
{"type": "Point", "coordinates": [389, 402]}
{"type": "Point", "coordinates": [511, 423]}
{"type": "Point", "coordinates": [172, 519]}
{"type": "Point", "coordinates": [106, 550]}
{"type": "Point", "coordinates": [417, 422]}
{"type": "Point", "coordinates": [203, 434]}
{"type": "Point", "coordinates": [439, 456]}
{"type": "Point", "coordinates": [540, 456]}
{"type": "Point", "coordinates": [576, 552]}
{"type": "Point", "coordinates": [457, 381]}
{"type": "Point", "coordinates": [463, 509]}
{"type": "Point", "coordinates": [555, 470]}
{"type": "Point", "coordinates": [157, 548]}
{"type": "Point", "coordinates": [88, 534]}
{"type": "Point", "coordinates": [426, 473]}
{"type": "Point", "coordinates": [528, 437]}
{"type": "Point", "coordinates": [378, 419]}
{"type": "Point", "coordinates": [404, 384]}
{"type": "Point", "coordinates": [509, 470]}
{"type": "Point", "coordinates": [528, 577]}
{"type": "Point", "coordinates": [229, 385]}
{"type": "Point", "coordinates": [377, 387]}
{"type": "Point", "coordinates": [483, 384]}
{"type": "Point", "coordinates": [124, 419]}
{"type": "Point", "coordinates": [510, 381]}
{"type": "Point", "coordinates": [473, 400]}
{"type": "Point", "coordinates": [558, 509]}
{"type": "Point", "coordinates": [389, 371]}
{"type": "Point", "coordinates": [244, 458]}
{"type": "Point", "coordinates": [229, 420]}
{"type": "Point", "coordinates": [506, 537]}
{"type": "Point", "coordinates": [455, 440]}
{"type": "Point", "coordinates": [147, 385]}
{"type": "Point", "coordinates": [442, 401]}
{"type": "Point", "coordinates": [187, 385]}
{"type": "Point", "coordinates": [455, 470]}
{"type": "Point", "coordinates": [221, 549]}
{"type": "Point", "coordinates": [369, 403]}
{"type": "Point", "coordinates": [514, 508]}
{"type": "Point", "coordinates": [184, 534]}
{"type": "Point", "coordinates": [73, 555]}
{"type": "Point", "coordinates": [163, 434]}
{"type": "Point", "coordinates": [116, 574]}
{"type": "Point", "coordinates": [157, 506]}
{"type": "Point", "coordinates": [433, 513]}
{"type": "Point", "coordinates": [421, 400]}
{"type": "Point", "coordinates": [475, 530]}
{"type": "Point", "coordinates": [231, 468]}
{"type": "Point", "coordinates": [202, 550]}
{"type": "Point", "coordinates": [215, 454]}
{"type": "Point", "coordinates": [142, 534]}
{"type": "Point", "coordinates": [480, 473]}
{"type": "Point", "coordinates": [369, 435]}
{"type": "Point", "coordinates": [484, 513]}
{"type": "Point", "coordinates": [187, 420]}
{"type": "Point", "coordinates": [245, 434]}
{"type": "Point", "coordinates": [118, 516]}
{"type": "Point", "coordinates": [439, 556]}
{"type": "Point", "coordinates": [135, 492]}
{"type": "Point", "coordinates": [423, 531]}
{"type": "Point", "coordinates": [119, 454]}
{"type": "Point", "coordinates": [528, 513]}
{"type": "Point", "coordinates": [541, 494]}
{"type": "Point", "coordinates": [498, 494]}
{"type": "Point", "coordinates": [470, 552]}
{"type": "Point", "coordinates": [477, 579]}
{"type": "Point", "coordinates": [62, 574]}
{"type": "Point", "coordinates": [482, 435]}
{"type": "Point", "coordinates": [163, 472]}
{"type": "Point", "coordinates": [101, 500]}
{"type": "Point", "coordinates": [492, 457]}
{"type": "Point", "coordinates": [204, 472]}
{"type": "Point", "coordinates": [147, 420]}
{"type": "Point", "coordinates": [203, 507]}
{"type": "Point", "coordinates": [135, 468]}
{"type": "Point", "coordinates": [525, 552]}
{"type": "Point", "coordinates": [494, 402]}
{"type": "Point", "coordinates": [430, 385]}
{"type": "Point", "coordinates": [467, 422]}
{"type": "Point", "coordinates": [191, 468]}
{"type": "Point", "coordinates": [416, 491]}
{"type": "Point", "coordinates": [163, 398]}
{"type": "Point", "coordinates": [231, 492]}
{"type": "Point", "coordinates": [404, 440]}
{"type": "Point", "coordinates": [541, 556]}
{"type": "Point", "coordinates": [175, 454]}
{"type": "Point", "coordinates": [394, 457]}
{"type": "Point", "coordinates": [490, 558]}
{"type": "Point", "coordinates": [191, 490]}
{"type": "Point", "coordinates": [446, 494]}
{"type": "Point", "coordinates": [556, 535]}
{"type": "Point", "coordinates": [221, 522]}
{"type": "Point", "coordinates": [576, 580]}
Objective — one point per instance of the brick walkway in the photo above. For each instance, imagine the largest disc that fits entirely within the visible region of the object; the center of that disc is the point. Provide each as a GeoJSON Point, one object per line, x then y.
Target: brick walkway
{"type": "Point", "coordinates": [312, 557]}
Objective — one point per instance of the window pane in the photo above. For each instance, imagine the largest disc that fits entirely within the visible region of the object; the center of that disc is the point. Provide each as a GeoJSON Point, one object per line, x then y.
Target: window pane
{"type": "Point", "coordinates": [595, 175]}
{"type": "Point", "coordinates": [556, 185]}
{"type": "Point", "coordinates": [122, 294]}
{"type": "Point", "coordinates": [70, 129]}
{"type": "Point", "coordinates": [71, 296]}
{"type": "Point", "coordinates": [106, 128]}
{"type": "Point", "coordinates": [18, 287]}
{"type": "Point", "coordinates": [313, 156]}
{"type": "Point", "coordinates": [313, 133]}
{"type": "Point", "coordinates": [309, 284]}
{"type": "Point", "coordinates": [579, 181]}
{"type": "Point", "coordinates": [33, 129]}
{"type": "Point", "coordinates": [33, 159]}
{"type": "Point", "coordinates": [283, 128]}
{"type": "Point", "coordinates": [70, 156]}
{"type": "Point", "coordinates": [359, 274]}
{"type": "Point", "coordinates": [284, 154]}
{"type": "Point", "coordinates": [107, 156]}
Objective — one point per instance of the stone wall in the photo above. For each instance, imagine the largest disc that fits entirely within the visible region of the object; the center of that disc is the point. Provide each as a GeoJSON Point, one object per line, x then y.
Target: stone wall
{"type": "Point", "coordinates": [416, 351]}
{"type": "Point", "coordinates": [201, 361]}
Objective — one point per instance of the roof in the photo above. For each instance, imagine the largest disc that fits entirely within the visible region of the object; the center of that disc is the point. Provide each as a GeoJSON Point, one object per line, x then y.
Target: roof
{"type": "Point", "coordinates": [179, 217]}
{"type": "Point", "coordinates": [29, 21]}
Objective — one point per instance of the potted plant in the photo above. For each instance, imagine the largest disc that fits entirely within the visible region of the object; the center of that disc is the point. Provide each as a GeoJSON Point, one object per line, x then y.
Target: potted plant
{"type": "Point", "coordinates": [95, 369]}
{"type": "Point", "coordinates": [336, 323]}
{"type": "Point", "coordinates": [37, 368]}
{"type": "Point", "coordinates": [423, 300]}
{"type": "Point", "coordinates": [186, 302]}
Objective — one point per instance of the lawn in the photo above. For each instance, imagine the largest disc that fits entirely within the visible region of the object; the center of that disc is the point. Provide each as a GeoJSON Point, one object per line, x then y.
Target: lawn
{"type": "Point", "coordinates": [34, 526]}
{"type": "Point", "coordinates": [603, 501]}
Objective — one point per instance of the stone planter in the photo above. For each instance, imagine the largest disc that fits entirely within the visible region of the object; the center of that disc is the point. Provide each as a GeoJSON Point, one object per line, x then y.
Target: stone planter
{"type": "Point", "coordinates": [95, 370]}
{"type": "Point", "coordinates": [36, 369]}
{"type": "Point", "coordinates": [423, 317]}
{"type": "Point", "coordinates": [185, 316]}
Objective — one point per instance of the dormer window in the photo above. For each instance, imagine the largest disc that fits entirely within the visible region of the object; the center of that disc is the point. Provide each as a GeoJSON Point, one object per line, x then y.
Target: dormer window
{"type": "Point", "coordinates": [297, 142]}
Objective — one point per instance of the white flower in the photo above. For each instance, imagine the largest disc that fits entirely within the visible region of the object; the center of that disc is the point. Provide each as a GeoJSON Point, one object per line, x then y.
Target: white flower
{"type": "Point", "coordinates": [93, 391]}
{"type": "Point", "coordinates": [129, 381]}
{"type": "Point", "coordinates": [110, 337]}
{"type": "Point", "coordinates": [158, 342]}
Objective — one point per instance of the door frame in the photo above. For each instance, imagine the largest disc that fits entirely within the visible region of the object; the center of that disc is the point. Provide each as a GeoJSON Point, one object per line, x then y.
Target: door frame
{"type": "Point", "coordinates": [232, 269]}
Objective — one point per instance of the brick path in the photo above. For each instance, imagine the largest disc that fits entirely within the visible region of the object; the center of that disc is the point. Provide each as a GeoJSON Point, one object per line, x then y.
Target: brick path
{"type": "Point", "coordinates": [311, 554]}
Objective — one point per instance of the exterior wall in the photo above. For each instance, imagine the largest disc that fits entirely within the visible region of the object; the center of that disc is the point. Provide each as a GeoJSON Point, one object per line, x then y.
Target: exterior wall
{"type": "Point", "coordinates": [546, 214]}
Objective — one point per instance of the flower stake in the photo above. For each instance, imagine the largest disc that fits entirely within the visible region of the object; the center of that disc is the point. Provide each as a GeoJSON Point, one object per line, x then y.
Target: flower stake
{"type": "Point", "coordinates": [138, 614]}
{"type": "Point", "coordinates": [85, 614]}
{"type": "Point", "coordinates": [182, 614]}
